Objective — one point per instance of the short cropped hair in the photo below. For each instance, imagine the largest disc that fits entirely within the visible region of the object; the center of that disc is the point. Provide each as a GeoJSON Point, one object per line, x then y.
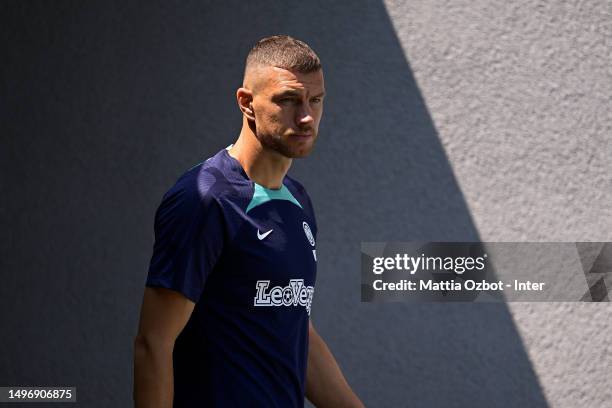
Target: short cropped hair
{"type": "Point", "coordinates": [284, 52]}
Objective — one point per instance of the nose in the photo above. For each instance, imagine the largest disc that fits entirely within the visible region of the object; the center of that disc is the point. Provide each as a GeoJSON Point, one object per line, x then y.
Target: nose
{"type": "Point", "coordinates": [304, 115]}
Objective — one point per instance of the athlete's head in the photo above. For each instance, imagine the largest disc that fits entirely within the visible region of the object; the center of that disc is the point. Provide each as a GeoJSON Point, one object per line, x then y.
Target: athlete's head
{"type": "Point", "coordinates": [282, 95]}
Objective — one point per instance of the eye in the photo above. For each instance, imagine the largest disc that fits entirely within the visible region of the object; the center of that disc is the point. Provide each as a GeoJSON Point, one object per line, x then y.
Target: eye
{"type": "Point", "coordinates": [288, 99]}
{"type": "Point", "coordinates": [316, 100]}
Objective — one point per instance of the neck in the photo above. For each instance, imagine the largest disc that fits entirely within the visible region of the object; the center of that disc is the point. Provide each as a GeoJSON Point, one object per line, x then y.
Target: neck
{"type": "Point", "coordinates": [263, 166]}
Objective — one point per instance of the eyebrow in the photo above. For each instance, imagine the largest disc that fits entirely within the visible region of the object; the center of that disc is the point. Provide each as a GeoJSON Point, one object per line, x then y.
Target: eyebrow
{"type": "Point", "coordinates": [295, 93]}
{"type": "Point", "coordinates": [288, 93]}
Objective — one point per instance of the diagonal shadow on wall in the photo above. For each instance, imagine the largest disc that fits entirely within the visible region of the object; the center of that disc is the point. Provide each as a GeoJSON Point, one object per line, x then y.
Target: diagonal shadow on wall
{"type": "Point", "coordinates": [111, 102]}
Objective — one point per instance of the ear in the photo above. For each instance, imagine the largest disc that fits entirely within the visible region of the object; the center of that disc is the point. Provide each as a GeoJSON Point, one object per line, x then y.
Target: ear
{"type": "Point", "coordinates": [244, 97]}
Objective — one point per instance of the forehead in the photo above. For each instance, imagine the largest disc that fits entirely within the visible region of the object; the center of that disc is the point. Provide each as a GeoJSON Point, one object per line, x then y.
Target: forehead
{"type": "Point", "coordinates": [279, 79]}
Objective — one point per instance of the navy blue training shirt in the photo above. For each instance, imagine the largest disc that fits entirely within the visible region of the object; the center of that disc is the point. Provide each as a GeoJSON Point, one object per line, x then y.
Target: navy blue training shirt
{"type": "Point", "coordinates": [246, 256]}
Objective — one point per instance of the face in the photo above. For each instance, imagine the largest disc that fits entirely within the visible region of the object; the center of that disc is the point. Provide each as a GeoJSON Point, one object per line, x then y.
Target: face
{"type": "Point", "coordinates": [287, 106]}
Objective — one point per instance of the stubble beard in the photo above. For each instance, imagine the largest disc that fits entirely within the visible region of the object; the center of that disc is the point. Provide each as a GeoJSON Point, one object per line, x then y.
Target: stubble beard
{"type": "Point", "coordinates": [280, 146]}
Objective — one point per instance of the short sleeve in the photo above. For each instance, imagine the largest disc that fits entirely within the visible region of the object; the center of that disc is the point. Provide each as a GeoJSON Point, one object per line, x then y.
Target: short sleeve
{"type": "Point", "coordinates": [189, 238]}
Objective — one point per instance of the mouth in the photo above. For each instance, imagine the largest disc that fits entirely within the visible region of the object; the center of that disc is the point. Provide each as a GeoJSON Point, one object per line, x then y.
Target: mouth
{"type": "Point", "coordinates": [302, 135]}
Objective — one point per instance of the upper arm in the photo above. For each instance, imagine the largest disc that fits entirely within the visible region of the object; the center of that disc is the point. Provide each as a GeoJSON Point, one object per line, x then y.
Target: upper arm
{"type": "Point", "coordinates": [163, 316]}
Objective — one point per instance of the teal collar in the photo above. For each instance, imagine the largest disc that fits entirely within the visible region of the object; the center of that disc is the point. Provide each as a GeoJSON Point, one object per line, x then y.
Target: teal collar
{"type": "Point", "coordinates": [262, 195]}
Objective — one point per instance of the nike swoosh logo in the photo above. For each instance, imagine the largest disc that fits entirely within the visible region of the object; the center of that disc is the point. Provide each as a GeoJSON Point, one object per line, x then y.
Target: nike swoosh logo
{"type": "Point", "coordinates": [262, 236]}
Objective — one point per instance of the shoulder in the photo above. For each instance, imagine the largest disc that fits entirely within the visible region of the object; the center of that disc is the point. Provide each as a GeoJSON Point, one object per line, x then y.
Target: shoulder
{"type": "Point", "coordinates": [295, 185]}
{"type": "Point", "coordinates": [207, 181]}
{"type": "Point", "coordinates": [298, 190]}
{"type": "Point", "coordinates": [194, 187]}
{"type": "Point", "coordinates": [197, 189]}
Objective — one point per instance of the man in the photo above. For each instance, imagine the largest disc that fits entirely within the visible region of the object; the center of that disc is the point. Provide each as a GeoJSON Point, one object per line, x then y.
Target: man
{"type": "Point", "coordinates": [225, 320]}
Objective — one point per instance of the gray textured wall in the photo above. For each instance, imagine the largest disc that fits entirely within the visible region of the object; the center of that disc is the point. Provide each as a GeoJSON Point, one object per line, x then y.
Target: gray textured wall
{"type": "Point", "coordinates": [521, 97]}
{"type": "Point", "coordinates": [445, 121]}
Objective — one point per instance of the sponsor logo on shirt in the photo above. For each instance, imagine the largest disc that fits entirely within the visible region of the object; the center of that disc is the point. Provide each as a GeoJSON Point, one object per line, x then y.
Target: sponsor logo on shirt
{"type": "Point", "coordinates": [294, 294]}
